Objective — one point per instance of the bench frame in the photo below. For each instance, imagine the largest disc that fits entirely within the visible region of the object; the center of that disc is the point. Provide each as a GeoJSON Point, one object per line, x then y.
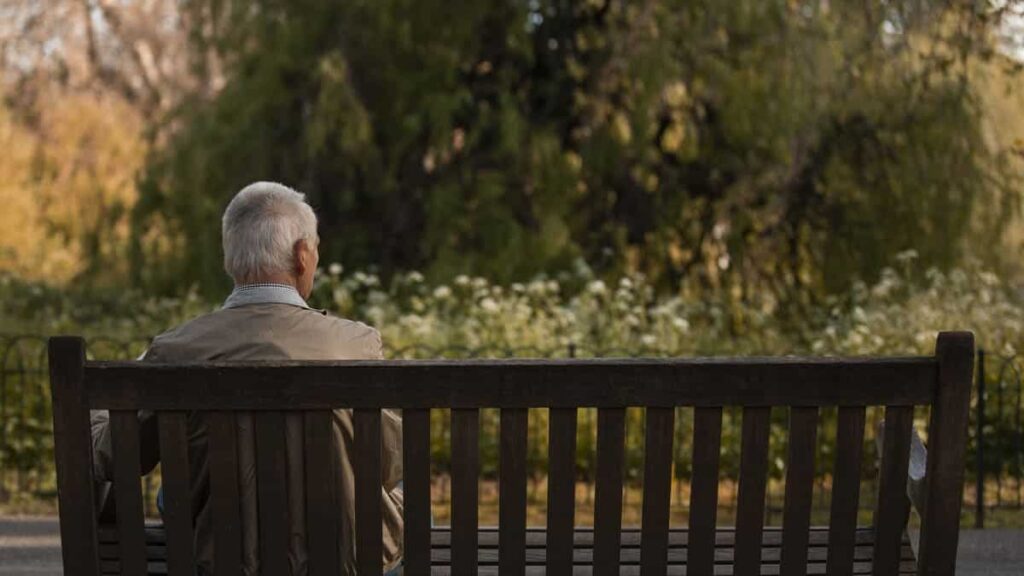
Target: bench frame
{"type": "Point", "coordinates": [804, 385]}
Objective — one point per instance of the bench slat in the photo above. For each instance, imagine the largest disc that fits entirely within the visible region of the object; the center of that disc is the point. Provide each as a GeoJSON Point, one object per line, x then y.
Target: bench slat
{"type": "Point", "coordinates": [657, 490]}
{"type": "Point", "coordinates": [753, 476]}
{"type": "Point", "coordinates": [893, 506]}
{"type": "Point", "coordinates": [611, 427]}
{"type": "Point", "coordinates": [707, 445]}
{"type": "Point", "coordinates": [322, 533]}
{"type": "Point", "coordinates": [465, 488]}
{"type": "Point", "coordinates": [369, 535]}
{"type": "Point", "coordinates": [271, 489]}
{"type": "Point", "coordinates": [803, 433]}
{"type": "Point", "coordinates": [512, 495]}
{"type": "Point", "coordinates": [416, 479]}
{"type": "Point", "coordinates": [679, 552]}
{"type": "Point", "coordinates": [72, 450]}
{"type": "Point", "coordinates": [124, 432]}
{"type": "Point", "coordinates": [177, 513]}
{"type": "Point", "coordinates": [224, 497]}
{"type": "Point", "coordinates": [515, 383]}
{"type": "Point", "coordinates": [845, 490]}
{"type": "Point", "coordinates": [583, 536]}
{"type": "Point", "coordinates": [561, 488]}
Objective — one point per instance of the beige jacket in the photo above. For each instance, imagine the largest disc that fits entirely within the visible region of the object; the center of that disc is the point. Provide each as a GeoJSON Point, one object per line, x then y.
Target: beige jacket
{"type": "Point", "coordinates": [273, 332]}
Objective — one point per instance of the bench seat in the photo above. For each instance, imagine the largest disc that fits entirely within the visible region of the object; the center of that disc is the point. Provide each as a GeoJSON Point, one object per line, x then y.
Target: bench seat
{"type": "Point", "coordinates": [440, 540]}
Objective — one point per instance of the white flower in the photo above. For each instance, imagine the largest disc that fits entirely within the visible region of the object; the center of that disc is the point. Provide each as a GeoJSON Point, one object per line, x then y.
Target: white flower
{"type": "Point", "coordinates": [648, 339]}
{"type": "Point", "coordinates": [335, 269]}
{"type": "Point", "coordinates": [597, 288]}
{"type": "Point", "coordinates": [461, 280]}
{"type": "Point", "coordinates": [442, 292]}
{"type": "Point", "coordinates": [489, 305]}
{"type": "Point", "coordinates": [681, 324]}
{"type": "Point", "coordinates": [415, 277]}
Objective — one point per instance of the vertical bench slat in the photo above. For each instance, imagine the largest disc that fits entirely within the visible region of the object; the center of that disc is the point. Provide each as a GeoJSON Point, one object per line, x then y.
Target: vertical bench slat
{"type": "Point", "coordinates": [796, 520]}
{"type": "Point", "coordinates": [224, 496]}
{"type": "Point", "coordinates": [947, 439]}
{"type": "Point", "coordinates": [561, 489]}
{"type": "Point", "coordinates": [369, 529]}
{"type": "Point", "coordinates": [512, 493]}
{"type": "Point", "coordinates": [753, 476]}
{"type": "Point", "coordinates": [707, 445]}
{"type": "Point", "coordinates": [322, 534]}
{"type": "Point", "coordinates": [611, 426]}
{"type": "Point", "coordinates": [72, 449]}
{"type": "Point", "coordinates": [657, 490]}
{"type": "Point", "coordinates": [893, 504]}
{"type": "Point", "coordinates": [272, 491]}
{"type": "Point", "coordinates": [416, 479]}
{"type": "Point", "coordinates": [845, 490]}
{"type": "Point", "coordinates": [177, 513]}
{"type": "Point", "coordinates": [124, 432]}
{"type": "Point", "coordinates": [465, 489]}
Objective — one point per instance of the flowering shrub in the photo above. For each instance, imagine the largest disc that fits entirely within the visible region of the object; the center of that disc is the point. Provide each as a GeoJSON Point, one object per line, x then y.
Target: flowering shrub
{"type": "Point", "coordinates": [543, 317]}
{"type": "Point", "coordinates": [581, 314]}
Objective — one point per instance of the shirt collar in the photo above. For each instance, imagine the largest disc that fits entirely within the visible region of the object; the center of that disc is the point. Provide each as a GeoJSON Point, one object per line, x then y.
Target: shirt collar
{"type": "Point", "coordinates": [264, 293]}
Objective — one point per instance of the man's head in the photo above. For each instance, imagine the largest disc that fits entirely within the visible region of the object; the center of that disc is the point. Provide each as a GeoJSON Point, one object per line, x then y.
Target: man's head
{"type": "Point", "coordinates": [269, 235]}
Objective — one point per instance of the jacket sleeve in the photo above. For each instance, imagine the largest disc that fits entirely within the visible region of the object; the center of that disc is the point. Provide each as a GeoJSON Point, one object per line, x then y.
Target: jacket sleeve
{"type": "Point", "coordinates": [391, 449]}
{"type": "Point", "coordinates": [103, 449]}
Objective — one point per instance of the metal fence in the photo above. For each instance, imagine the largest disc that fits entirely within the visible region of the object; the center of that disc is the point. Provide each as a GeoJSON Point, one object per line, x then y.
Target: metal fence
{"type": "Point", "coordinates": [998, 436]}
{"type": "Point", "coordinates": [995, 471]}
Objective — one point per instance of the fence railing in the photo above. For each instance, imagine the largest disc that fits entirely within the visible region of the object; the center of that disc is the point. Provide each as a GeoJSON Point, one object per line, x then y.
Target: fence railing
{"type": "Point", "coordinates": [995, 472]}
{"type": "Point", "coordinates": [998, 435]}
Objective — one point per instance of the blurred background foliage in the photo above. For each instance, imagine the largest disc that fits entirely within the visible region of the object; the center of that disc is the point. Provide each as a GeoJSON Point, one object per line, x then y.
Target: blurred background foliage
{"type": "Point", "coordinates": [524, 177]}
{"type": "Point", "coordinates": [770, 151]}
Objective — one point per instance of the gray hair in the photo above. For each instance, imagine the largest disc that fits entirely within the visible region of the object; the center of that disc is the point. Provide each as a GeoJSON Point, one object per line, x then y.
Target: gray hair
{"type": "Point", "coordinates": [261, 225]}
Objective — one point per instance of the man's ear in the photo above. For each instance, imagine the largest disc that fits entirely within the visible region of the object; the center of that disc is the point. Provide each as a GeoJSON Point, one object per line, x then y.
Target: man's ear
{"type": "Point", "coordinates": [303, 257]}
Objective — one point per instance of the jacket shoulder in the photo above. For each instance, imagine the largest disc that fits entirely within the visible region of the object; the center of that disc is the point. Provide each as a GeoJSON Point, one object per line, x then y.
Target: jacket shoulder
{"type": "Point", "coordinates": [353, 337]}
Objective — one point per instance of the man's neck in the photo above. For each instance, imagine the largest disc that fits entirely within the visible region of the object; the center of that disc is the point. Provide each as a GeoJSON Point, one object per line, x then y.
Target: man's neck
{"type": "Point", "coordinates": [282, 279]}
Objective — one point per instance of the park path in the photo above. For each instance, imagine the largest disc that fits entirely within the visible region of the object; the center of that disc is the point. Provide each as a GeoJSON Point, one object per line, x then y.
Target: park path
{"type": "Point", "coordinates": [31, 547]}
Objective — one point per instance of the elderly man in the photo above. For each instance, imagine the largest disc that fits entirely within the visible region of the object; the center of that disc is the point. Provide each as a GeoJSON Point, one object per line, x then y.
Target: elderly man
{"type": "Point", "coordinates": [270, 250]}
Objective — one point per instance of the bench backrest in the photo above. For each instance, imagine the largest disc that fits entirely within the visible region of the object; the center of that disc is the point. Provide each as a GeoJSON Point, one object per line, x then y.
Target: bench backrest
{"type": "Point", "coordinates": [803, 385]}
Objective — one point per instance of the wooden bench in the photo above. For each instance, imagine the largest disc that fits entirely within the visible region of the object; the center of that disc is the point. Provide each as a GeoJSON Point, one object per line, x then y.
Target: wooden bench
{"type": "Point", "coordinates": [941, 382]}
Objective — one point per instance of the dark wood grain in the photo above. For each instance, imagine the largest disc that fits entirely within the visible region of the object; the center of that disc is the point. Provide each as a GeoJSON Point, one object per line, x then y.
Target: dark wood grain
{"type": "Point", "coordinates": [124, 433]}
{"type": "Point", "coordinates": [369, 530]}
{"type": "Point", "coordinates": [658, 438]}
{"type": "Point", "coordinates": [323, 534]}
{"type": "Point", "coordinates": [513, 386]}
{"type": "Point", "coordinates": [893, 506]}
{"type": "Point", "coordinates": [224, 495]}
{"type": "Point", "coordinates": [513, 383]}
{"type": "Point", "coordinates": [947, 448]}
{"type": "Point", "coordinates": [416, 478]}
{"type": "Point", "coordinates": [561, 489]}
{"type": "Point", "coordinates": [611, 427]}
{"type": "Point", "coordinates": [750, 502]}
{"type": "Point", "coordinates": [845, 490]}
{"type": "Point", "coordinates": [707, 445]}
{"type": "Point", "coordinates": [272, 491]}
{"type": "Point", "coordinates": [465, 488]}
{"type": "Point", "coordinates": [72, 449]}
{"type": "Point", "coordinates": [512, 492]}
{"type": "Point", "coordinates": [177, 512]}
{"type": "Point", "coordinates": [796, 519]}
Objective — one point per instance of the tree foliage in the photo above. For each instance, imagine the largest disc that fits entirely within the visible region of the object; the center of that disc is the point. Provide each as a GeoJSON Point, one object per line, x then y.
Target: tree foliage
{"type": "Point", "coordinates": [784, 147]}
